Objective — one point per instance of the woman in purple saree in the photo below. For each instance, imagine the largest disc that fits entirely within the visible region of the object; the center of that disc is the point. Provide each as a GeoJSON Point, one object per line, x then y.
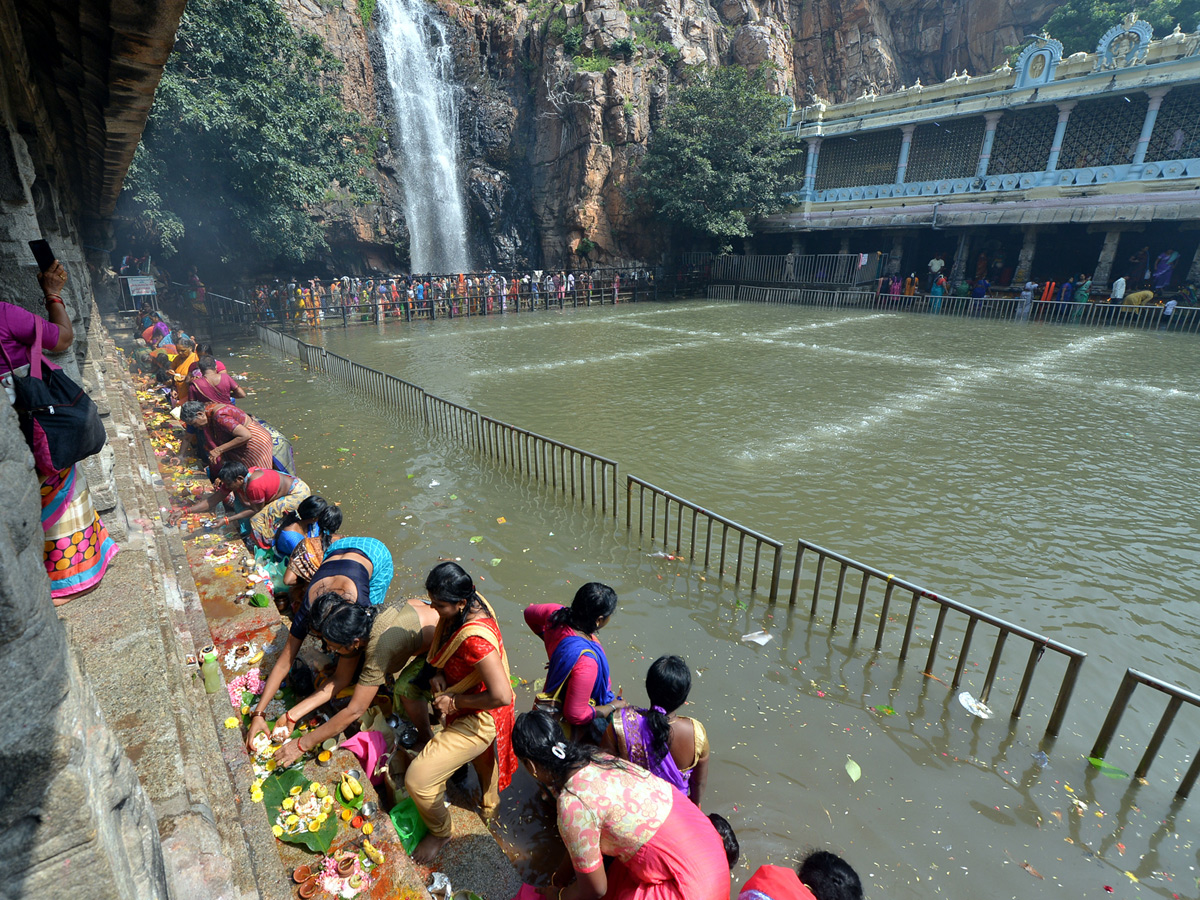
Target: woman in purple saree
{"type": "Point", "coordinates": [1164, 269]}
{"type": "Point", "coordinates": [673, 747]}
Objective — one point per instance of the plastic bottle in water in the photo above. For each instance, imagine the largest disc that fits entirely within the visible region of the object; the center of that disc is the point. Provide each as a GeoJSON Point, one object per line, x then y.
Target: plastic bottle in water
{"type": "Point", "coordinates": [211, 671]}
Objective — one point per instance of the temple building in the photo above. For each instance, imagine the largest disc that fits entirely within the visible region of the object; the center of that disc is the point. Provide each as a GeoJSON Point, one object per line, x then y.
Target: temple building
{"type": "Point", "coordinates": [1044, 170]}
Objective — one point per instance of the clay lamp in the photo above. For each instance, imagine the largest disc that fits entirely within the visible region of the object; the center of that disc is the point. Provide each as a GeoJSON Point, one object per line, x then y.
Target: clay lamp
{"type": "Point", "coordinates": [301, 874]}
{"type": "Point", "coordinates": [309, 888]}
{"type": "Point", "coordinates": [346, 866]}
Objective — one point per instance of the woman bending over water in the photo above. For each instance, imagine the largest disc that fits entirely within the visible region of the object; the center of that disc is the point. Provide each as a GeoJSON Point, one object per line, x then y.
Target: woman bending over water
{"type": "Point", "coordinates": [374, 646]}
{"type": "Point", "coordinates": [662, 847]}
{"type": "Point", "coordinates": [673, 747]}
{"type": "Point", "coordinates": [578, 668]}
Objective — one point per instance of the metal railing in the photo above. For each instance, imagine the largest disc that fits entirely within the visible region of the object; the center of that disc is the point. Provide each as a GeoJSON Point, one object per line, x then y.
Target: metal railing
{"type": "Point", "coordinates": [793, 268]}
{"type": "Point", "coordinates": [870, 576]}
{"type": "Point", "coordinates": [700, 514]}
{"type": "Point", "coordinates": [710, 539]}
{"type": "Point", "coordinates": [558, 466]}
{"type": "Point", "coordinates": [1147, 318]}
{"type": "Point", "coordinates": [585, 477]}
{"type": "Point", "coordinates": [1178, 696]}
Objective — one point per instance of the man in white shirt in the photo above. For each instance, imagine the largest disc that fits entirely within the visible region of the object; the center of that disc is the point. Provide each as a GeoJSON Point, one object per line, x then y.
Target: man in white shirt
{"type": "Point", "coordinates": [1117, 294]}
{"type": "Point", "coordinates": [1168, 310]}
{"type": "Point", "coordinates": [935, 267]}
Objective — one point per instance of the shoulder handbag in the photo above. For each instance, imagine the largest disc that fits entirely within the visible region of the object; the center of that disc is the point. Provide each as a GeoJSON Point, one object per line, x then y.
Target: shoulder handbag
{"type": "Point", "coordinates": [60, 422]}
{"type": "Point", "coordinates": [552, 703]}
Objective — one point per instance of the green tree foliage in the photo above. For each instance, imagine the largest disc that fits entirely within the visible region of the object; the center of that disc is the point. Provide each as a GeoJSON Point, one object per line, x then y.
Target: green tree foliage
{"type": "Point", "coordinates": [245, 135]}
{"type": "Point", "coordinates": [713, 165]}
{"type": "Point", "coordinates": [1080, 24]}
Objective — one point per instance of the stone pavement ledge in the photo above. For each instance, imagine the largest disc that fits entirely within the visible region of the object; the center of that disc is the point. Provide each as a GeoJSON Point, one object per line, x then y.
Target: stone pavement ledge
{"type": "Point", "coordinates": [170, 594]}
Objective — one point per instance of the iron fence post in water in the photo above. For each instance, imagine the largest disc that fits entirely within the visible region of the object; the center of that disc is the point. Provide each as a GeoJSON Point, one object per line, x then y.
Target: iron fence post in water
{"type": "Point", "coordinates": [997, 650]}
{"type": "Point", "coordinates": [936, 638]}
{"type": "Point", "coordinates": [817, 583]}
{"type": "Point", "coordinates": [1164, 725]}
{"type": "Point", "coordinates": [862, 602]}
{"type": "Point", "coordinates": [1064, 694]}
{"type": "Point", "coordinates": [837, 597]}
{"type": "Point", "coordinates": [964, 651]}
{"type": "Point", "coordinates": [776, 567]}
{"type": "Point", "coordinates": [796, 570]}
{"type": "Point", "coordinates": [1115, 711]}
{"type": "Point", "coordinates": [911, 624]}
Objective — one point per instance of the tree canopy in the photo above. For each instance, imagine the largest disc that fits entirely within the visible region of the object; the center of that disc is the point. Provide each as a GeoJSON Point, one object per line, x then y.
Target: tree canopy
{"type": "Point", "coordinates": [1080, 24]}
{"type": "Point", "coordinates": [245, 135]}
{"type": "Point", "coordinates": [714, 164]}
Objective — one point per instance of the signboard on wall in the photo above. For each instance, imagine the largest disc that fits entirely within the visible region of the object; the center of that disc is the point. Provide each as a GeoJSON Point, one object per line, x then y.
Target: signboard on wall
{"type": "Point", "coordinates": [140, 285]}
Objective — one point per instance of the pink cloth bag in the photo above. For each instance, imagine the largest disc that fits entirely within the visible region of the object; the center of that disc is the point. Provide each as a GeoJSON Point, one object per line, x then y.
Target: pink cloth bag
{"type": "Point", "coordinates": [369, 747]}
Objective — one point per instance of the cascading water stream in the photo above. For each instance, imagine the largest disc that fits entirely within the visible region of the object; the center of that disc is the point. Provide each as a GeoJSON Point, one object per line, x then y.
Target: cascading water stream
{"type": "Point", "coordinates": [420, 69]}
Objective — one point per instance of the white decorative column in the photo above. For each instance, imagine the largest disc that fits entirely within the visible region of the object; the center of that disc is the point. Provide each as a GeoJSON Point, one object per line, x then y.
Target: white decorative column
{"type": "Point", "coordinates": [810, 166]}
{"type": "Point", "coordinates": [991, 119]}
{"type": "Point", "coordinates": [1156, 98]}
{"type": "Point", "coordinates": [1064, 113]}
{"type": "Point", "coordinates": [905, 146]}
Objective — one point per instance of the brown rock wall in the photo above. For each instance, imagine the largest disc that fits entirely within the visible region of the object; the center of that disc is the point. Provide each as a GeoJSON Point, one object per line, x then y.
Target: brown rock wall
{"type": "Point", "coordinates": [551, 150]}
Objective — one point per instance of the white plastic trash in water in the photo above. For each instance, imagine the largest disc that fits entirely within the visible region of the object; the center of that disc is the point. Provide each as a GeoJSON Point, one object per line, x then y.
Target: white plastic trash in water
{"type": "Point", "coordinates": [973, 706]}
{"type": "Point", "coordinates": [757, 637]}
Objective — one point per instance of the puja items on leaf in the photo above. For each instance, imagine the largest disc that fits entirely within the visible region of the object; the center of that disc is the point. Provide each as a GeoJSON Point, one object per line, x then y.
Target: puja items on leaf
{"type": "Point", "coordinates": [350, 792]}
{"type": "Point", "coordinates": [297, 813]}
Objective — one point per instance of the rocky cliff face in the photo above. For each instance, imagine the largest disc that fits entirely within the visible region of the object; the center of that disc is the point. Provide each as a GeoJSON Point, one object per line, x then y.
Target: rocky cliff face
{"type": "Point", "coordinates": [374, 235]}
{"type": "Point", "coordinates": [559, 99]}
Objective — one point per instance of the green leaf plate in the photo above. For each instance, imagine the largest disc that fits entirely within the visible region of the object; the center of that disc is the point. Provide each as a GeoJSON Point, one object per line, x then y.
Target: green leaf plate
{"type": "Point", "coordinates": [278, 786]}
{"type": "Point", "coordinates": [336, 787]}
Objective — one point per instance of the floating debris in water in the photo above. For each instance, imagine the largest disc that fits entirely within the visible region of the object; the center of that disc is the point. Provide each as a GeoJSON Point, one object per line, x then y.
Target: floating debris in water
{"type": "Point", "coordinates": [973, 706]}
{"type": "Point", "coordinates": [757, 637]}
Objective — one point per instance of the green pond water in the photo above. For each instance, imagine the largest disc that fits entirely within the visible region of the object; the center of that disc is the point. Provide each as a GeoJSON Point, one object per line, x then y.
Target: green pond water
{"type": "Point", "coordinates": [1039, 473]}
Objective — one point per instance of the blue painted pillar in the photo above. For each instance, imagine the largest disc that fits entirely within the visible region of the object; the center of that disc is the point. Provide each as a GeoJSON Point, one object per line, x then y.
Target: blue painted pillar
{"type": "Point", "coordinates": [810, 166]}
{"type": "Point", "coordinates": [905, 146]}
{"type": "Point", "coordinates": [991, 119]}
{"type": "Point", "coordinates": [1064, 113]}
{"type": "Point", "coordinates": [1156, 98]}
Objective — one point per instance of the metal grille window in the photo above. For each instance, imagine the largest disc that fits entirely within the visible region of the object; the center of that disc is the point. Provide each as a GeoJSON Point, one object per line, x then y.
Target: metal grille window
{"type": "Point", "coordinates": [1177, 129]}
{"type": "Point", "coordinates": [1023, 141]}
{"type": "Point", "coordinates": [1103, 132]}
{"type": "Point", "coordinates": [947, 149]}
{"type": "Point", "coordinates": [792, 173]}
{"type": "Point", "coordinates": [863, 159]}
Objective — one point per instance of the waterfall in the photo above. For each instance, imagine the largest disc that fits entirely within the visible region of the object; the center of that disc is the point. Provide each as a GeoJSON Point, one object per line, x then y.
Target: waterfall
{"type": "Point", "coordinates": [420, 69]}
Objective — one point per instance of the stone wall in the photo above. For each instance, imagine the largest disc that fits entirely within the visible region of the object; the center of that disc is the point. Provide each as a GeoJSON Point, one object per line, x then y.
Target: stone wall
{"type": "Point", "coordinates": [76, 82]}
{"type": "Point", "coordinates": [74, 820]}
